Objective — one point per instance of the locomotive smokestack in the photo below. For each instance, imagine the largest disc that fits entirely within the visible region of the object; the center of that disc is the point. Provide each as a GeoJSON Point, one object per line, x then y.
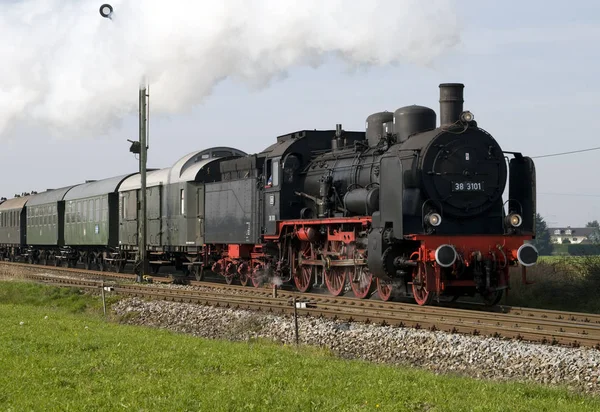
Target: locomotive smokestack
{"type": "Point", "coordinates": [451, 102]}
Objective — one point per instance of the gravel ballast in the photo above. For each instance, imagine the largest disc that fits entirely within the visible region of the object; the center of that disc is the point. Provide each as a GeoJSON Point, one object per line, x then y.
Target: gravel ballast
{"type": "Point", "coordinates": [480, 357]}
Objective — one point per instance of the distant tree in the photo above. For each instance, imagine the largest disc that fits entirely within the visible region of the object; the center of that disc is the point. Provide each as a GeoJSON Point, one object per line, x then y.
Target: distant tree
{"type": "Point", "coordinates": [595, 235]}
{"type": "Point", "coordinates": [542, 236]}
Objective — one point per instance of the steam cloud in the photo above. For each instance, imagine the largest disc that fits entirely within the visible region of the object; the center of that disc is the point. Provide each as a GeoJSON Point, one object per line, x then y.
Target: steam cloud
{"type": "Point", "coordinates": [66, 68]}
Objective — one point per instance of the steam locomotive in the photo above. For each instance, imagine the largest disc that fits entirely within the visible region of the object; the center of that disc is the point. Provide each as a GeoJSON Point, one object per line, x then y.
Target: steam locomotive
{"type": "Point", "coordinates": [406, 207]}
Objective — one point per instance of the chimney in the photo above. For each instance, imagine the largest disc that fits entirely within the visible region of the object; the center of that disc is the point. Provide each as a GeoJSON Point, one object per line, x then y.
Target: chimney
{"type": "Point", "coordinates": [451, 102]}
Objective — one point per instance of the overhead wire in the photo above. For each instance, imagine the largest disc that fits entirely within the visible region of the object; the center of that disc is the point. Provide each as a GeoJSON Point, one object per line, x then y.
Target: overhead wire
{"type": "Point", "coordinates": [563, 154]}
{"type": "Point", "coordinates": [568, 194]}
{"type": "Point", "coordinates": [566, 153]}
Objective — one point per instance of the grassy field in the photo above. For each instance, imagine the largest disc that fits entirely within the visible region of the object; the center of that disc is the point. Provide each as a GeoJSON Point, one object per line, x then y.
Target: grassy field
{"type": "Point", "coordinates": [561, 282]}
{"type": "Point", "coordinates": [59, 353]}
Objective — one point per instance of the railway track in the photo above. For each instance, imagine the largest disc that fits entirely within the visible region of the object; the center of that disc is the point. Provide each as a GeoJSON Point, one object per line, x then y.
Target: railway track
{"type": "Point", "coordinates": [535, 325]}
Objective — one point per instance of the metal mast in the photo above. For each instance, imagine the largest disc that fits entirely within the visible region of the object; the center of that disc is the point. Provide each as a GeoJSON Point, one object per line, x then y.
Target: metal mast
{"type": "Point", "coordinates": [143, 139]}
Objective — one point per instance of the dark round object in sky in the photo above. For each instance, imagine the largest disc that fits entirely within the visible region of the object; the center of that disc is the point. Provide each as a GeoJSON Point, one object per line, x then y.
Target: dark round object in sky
{"type": "Point", "coordinates": [106, 10]}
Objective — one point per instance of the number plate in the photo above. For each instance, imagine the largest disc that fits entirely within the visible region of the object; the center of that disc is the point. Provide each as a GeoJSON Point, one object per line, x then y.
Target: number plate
{"type": "Point", "coordinates": [467, 186]}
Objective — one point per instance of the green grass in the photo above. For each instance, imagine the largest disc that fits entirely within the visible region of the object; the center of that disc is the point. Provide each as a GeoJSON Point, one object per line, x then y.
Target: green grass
{"type": "Point", "coordinates": [69, 300]}
{"type": "Point", "coordinates": [66, 357]}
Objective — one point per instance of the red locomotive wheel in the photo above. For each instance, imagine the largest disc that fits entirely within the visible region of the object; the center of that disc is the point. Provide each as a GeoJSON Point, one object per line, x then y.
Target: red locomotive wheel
{"type": "Point", "coordinates": [335, 276]}
{"type": "Point", "coordinates": [421, 294]}
{"type": "Point", "coordinates": [361, 282]}
{"type": "Point", "coordinates": [335, 279]}
{"type": "Point", "coordinates": [244, 279]}
{"type": "Point", "coordinates": [492, 298]}
{"type": "Point", "coordinates": [303, 274]}
{"type": "Point", "coordinates": [256, 282]}
{"type": "Point", "coordinates": [384, 289]}
{"type": "Point", "coordinates": [258, 277]}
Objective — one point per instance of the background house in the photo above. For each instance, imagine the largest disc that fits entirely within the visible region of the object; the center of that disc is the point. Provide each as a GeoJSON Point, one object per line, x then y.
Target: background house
{"type": "Point", "coordinates": [573, 234]}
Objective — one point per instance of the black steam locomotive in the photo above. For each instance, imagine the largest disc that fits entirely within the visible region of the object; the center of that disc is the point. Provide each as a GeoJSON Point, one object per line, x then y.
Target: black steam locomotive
{"type": "Point", "coordinates": [407, 207]}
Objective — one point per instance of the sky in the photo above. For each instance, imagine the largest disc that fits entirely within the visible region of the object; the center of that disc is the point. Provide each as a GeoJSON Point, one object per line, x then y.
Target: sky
{"type": "Point", "coordinates": [68, 91]}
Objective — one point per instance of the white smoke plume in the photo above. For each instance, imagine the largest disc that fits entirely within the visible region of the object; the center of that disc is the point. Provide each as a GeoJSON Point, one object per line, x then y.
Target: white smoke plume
{"type": "Point", "coordinates": [66, 68]}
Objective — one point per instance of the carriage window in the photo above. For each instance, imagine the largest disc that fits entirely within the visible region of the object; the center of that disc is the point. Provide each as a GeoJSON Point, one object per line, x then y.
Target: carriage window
{"type": "Point", "coordinates": [221, 153]}
{"type": "Point", "coordinates": [182, 205]}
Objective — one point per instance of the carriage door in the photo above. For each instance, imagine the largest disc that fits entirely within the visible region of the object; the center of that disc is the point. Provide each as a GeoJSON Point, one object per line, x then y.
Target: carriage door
{"type": "Point", "coordinates": [199, 232]}
{"type": "Point", "coordinates": [272, 194]}
{"type": "Point", "coordinates": [128, 228]}
{"type": "Point", "coordinates": [154, 215]}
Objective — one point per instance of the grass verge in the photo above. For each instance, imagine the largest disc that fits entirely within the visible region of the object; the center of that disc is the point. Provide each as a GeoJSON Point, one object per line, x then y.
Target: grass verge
{"type": "Point", "coordinates": [58, 353]}
{"type": "Point", "coordinates": [560, 283]}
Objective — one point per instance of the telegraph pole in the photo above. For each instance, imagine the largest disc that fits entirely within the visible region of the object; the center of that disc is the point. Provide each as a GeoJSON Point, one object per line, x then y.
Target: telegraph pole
{"type": "Point", "coordinates": [140, 147]}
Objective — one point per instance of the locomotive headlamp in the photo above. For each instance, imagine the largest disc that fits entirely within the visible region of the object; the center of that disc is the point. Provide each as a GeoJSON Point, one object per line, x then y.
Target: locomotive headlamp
{"type": "Point", "coordinates": [106, 11]}
{"type": "Point", "coordinates": [466, 116]}
{"type": "Point", "coordinates": [514, 220]}
{"type": "Point", "coordinates": [434, 219]}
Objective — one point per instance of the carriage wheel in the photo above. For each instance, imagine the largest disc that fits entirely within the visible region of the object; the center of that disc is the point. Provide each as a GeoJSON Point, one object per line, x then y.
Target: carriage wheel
{"type": "Point", "coordinates": [335, 276]}
{"type": "Point", "coordinates": [420, 288]}
{"type": "Point", "coordinates": [303, 274]}
{"type": "Point", "coordinates": [197, 272]}
{"type": "Point", "coordinates": [384, 289]}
